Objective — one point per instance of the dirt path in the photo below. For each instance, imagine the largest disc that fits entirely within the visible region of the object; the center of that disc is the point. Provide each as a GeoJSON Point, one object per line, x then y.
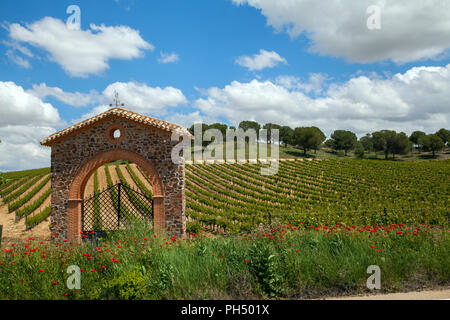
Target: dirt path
{"type": "Point", "coordinates": [443, 294]}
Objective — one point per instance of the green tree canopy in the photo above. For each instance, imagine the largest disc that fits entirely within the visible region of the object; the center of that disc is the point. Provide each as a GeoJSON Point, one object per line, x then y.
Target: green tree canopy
{"type": "Point", "coordinates": [307, 138]}
{"type": "Point", "coordinates": [269, 127]}
{"type": "Point", "coordinates": [329, 143]}
{"type": "Point", "coordinates": [402, 144]}
{"type": "Point", "coordinates": [343, 140]}
{"type": "Point", "coordinates": [318, 139]}
{"type": "Point", "coordinates": [417, 138]}
{"type": "Point", "coordinates": [391, 142]}
{"type": "Point", "coordinates": [221, 127]}
{"type": "Point", "coordinates": [367, 143]}
{"type": "Point", "coordinates": [286, 134]}
{"type": "Point", "coordinates": [444, 134]}
{"type": "Point", "coordinates": [245, 125]}
{"type": "Point", "coordinates": [433, 143]}
{"type": "Point", "coordinates": [204, 127]}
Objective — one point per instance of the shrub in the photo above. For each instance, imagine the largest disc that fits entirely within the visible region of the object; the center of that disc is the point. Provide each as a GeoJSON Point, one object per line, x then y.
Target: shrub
{"type": "Point", "coordinates": [193, 227]}
{"type": "Point", "coordinates": [130, 286]}
{"type": "Point", "coordinates": [359, 153]}
{"type": "Point", "coordinates": [263, 266]}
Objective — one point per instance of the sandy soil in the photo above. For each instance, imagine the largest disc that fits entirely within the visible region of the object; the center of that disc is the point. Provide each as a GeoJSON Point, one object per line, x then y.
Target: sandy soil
{"type": "Point", "coordinates": [89, 191]}
{"type": "Point", "coordinates": [124, 170]}
{"type": "Point", "coordinates": [112, 170]}
{"type": "Point", "coordinates": [102, 183]}
{"type": "Point", "coordinates": [443, 294]}
{"type": "Point", "coordinates": [37, 195]}
{"type": "Point", "coordinates": [13, 231]}
{"type": "Point", "coordinates": [42, 229]}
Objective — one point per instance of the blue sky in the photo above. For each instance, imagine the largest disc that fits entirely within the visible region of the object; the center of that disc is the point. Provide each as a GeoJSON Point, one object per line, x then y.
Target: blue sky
{"type": "Point", "coordinates": [293, 62]}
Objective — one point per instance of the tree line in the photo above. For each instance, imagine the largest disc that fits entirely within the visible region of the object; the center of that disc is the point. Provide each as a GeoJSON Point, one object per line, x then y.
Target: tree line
{"type": "Point", "coordinates": [389, 142]}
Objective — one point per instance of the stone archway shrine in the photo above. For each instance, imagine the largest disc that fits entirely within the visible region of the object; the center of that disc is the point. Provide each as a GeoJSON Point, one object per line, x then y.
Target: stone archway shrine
{"type": "Point", "coordinates": [116, 134]}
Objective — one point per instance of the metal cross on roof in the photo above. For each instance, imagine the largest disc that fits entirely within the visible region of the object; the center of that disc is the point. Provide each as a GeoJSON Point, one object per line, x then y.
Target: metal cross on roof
{"type": "Point", "coordinates": [116, 100]}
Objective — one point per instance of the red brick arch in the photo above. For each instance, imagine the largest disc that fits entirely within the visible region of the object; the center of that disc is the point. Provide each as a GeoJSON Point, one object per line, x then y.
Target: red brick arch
{"type": "Point", "coordinates": [76, 190]}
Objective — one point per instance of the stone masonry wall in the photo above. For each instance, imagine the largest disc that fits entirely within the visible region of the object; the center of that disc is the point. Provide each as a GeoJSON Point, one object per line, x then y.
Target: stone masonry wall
{"type": "Point", "coordinates": [71, 153]}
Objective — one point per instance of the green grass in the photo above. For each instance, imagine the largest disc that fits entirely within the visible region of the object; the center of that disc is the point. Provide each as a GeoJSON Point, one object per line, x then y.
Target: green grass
{"type": "Point", "coordinates": [25, 173]}
{"type": "Point", "coordinates": [287, 262]}
{"type": "Point", "coordinates": [33, 221]}
{"type": "Point", "coordinates": [292, 152]}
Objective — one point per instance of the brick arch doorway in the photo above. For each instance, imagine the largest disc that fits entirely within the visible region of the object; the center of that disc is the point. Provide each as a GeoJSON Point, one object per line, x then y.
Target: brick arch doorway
{"type": "Point", "coordinates": [81, 148]}
{"type": "Point", "coordinates": [78, 186]}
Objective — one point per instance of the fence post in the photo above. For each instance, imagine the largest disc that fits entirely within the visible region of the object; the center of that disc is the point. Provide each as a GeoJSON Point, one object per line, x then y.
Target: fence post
{"type": "Point", "coordinates": [118, 205]}
{"type": "Point", "coordinates": [270, 218]}
{"type": "Point", "coordinates": [253, 222]}
{"type": "Point", "coordinates": [82, 215]}
{"type": "Point", "coordinates": [1, 230]}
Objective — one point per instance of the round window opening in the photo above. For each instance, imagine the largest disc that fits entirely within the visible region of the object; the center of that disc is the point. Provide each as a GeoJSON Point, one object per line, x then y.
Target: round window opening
{"type": "Point", "coordinates": [117, 134]}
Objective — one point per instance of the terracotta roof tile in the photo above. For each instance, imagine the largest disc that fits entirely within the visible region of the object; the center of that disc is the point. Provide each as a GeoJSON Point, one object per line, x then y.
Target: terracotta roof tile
{"type": "Point", "coordinates": [121, 113]}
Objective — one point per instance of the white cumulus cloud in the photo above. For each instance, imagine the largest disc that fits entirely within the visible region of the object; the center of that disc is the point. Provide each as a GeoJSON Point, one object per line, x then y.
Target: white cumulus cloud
{"type": "Point", "coordinates": [415, 100]}
{"type": "Point", "coordinates": [75, 99]}
{"type": "Point", "coordinates": [187, 120]}
{"type": "Point", "coordinates": [168, 57]}
{"type": "Point", "coordinates": [141, 98]}
{"type": "Point", "coordinates": [24, 121]}
{"type": "Point", "coordinates": [264, 59]}
{"type": "Point", "coordinates": [81, 52]}
{"type": "Point", "coordinates": [19, 107]}
{"type": "Point", "coordinates": [410, 30]}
